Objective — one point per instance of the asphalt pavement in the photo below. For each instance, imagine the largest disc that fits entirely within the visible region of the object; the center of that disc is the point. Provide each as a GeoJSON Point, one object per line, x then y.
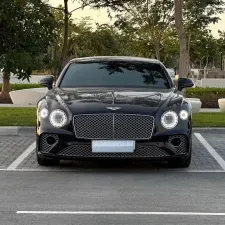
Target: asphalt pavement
{"type": "Point", "coordinates": [98, 193]}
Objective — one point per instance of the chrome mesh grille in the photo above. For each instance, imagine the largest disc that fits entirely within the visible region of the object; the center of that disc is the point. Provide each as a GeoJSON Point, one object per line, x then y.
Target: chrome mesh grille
{"type": "Point", "coordinates": [44, 146]}
{"type": "Point", "coordinates": [182, 148]}
{"type": "Point", "coordinates": [113, 126]}
{"type": "Point", "coordinates": [140, 152]}
{"type": "Point", "coordinates": [132, 126]}
{"type": "Point", "coordinates": [94, 126]}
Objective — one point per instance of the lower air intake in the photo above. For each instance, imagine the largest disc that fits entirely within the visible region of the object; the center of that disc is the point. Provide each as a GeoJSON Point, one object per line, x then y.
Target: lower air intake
{"type": "Point", "coordinates": [143, 151]}
{"type": "Point", "coordinates": [45, 145]}
{"type": "Point", "coordinates": [182, 146]}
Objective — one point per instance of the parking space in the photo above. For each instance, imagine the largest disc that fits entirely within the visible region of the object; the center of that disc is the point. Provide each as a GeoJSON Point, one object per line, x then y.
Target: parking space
{"type": "Point", "coordinates": [14, 147]}
{"type": "Point", "coordinates": [112, 194]}
{"type": "Point", "coordinates": [217, 141]}
{"type": "Point", "coordinates": [202, 159]}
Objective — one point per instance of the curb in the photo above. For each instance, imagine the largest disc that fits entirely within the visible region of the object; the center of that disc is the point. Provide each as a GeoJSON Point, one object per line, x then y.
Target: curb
{"type": "Point", "coordinates": [16, 130]}
{"type": "Point", "coordinates": [17, 106]}
{"type": "Point", "coordinates": [209, 130]}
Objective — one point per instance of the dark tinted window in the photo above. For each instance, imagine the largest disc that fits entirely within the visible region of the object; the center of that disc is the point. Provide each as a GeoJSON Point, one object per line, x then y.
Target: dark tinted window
{"type": "Point", "coordinates": [115, 73]}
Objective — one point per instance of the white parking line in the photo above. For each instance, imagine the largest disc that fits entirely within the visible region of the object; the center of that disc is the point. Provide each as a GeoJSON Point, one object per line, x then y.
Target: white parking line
{"type": "Point", "coordinates": [20, 159]}
{"type": "Point", "coordinates": [211, 150]}
{"type": "Point", "coordinates": [122, 213]}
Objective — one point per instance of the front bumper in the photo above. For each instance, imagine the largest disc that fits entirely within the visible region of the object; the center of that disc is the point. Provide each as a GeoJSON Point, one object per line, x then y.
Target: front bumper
{"type": "Point", "coordinates": [65, 146]}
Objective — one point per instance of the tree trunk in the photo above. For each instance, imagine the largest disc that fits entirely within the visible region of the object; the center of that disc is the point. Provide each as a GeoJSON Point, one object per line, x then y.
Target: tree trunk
{"type": "Point", "coordinates": [183, 63]}
{"type": "Point", "coordinates": [66, 36]}
{"type": "Point", "coordinates": [207, 62]}
{"type": "Point", "coordinates": [4, 96]}
{"type": "Point", "coordinates": [157, 52]}
{"type": "Point", "coordinates": [55, 68]}
{"type": "Point", "coordinates": [188, 52]}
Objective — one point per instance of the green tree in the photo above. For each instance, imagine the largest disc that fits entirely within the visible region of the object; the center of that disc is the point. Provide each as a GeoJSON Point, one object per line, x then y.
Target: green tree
{"type": "Point", "coordinates": [204, 49]}
{"type": "Point", "coordinates": [55, 49]}
{"type": "Point", "coordinates": [221, 41]}
{"type": "Point", "coordinates": [110, 4]}
{"type": "Point", "coordinates": [26, 31]}
{"type": "Point", "coordinates": [149, 20]}
{"type": "Point", "coordinates": [191, 15]}
{"type": "Point", "coordinates": [170, 48]}
{"type": "Point", "coordinates": [86, 41]}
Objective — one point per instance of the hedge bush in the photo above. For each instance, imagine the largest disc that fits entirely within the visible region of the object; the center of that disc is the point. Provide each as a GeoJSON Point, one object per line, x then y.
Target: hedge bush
{"type": "Point", "coordinates": [208, 96]}
{"type": "Point", "coordinates": [15, 87]}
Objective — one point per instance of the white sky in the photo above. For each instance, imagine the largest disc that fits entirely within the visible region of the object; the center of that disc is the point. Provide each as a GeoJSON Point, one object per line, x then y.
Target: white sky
{"type": "Point", "coordinates": [101, 16]}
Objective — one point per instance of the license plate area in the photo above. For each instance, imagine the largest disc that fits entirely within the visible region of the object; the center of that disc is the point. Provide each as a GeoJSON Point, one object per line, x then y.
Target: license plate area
{"type": "Point", "coordinates": [113, 146]}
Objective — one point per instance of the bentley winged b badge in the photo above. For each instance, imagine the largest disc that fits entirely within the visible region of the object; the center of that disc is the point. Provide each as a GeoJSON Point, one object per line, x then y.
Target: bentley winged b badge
{"type": "Point", "coordinates": [113, 108]}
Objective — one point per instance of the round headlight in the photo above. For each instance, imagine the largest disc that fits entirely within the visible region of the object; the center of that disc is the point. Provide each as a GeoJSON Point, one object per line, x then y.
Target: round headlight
{"type": "Point", "coordinates": [183, 114]}
{"type": "Point", "coordinates": [58, 118]}
{"type": "Point", "coordinates": [169, 120]}
{"type": "Point", "coordinates": [43, 113]}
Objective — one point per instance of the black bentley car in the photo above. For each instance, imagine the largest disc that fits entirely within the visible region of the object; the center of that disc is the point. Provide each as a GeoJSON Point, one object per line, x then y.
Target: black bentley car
{"type": "Point", "coordinates": [114, 108]}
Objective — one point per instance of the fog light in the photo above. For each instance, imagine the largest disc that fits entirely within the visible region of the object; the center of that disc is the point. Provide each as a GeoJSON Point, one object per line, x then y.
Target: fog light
{"type": "Point", "coordinates": [51, 140]}
{"type": "Point", "coordinates": [176, 142]}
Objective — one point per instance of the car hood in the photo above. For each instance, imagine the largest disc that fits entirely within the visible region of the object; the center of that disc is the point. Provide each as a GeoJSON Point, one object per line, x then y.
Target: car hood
{"type": "Point", "coordinates": [103, 100]}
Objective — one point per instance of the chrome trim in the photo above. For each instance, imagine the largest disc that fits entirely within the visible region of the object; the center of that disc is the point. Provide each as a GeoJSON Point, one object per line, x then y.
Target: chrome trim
{"type": "Point", "coordinates": [113, 108]}
{"type": "Point", "coordinates": [112, 124]}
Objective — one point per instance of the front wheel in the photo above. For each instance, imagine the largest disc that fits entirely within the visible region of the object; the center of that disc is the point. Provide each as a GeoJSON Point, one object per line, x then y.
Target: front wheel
{"type": "Point", "coordinates": [47, 162]}
{"type": "Point", "coordinates": [180, 163]}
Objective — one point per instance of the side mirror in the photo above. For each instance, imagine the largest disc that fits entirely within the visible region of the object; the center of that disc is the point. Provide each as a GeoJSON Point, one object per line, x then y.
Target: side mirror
{"type": "Point", "coordinates": [184, 83]}
{"type": "Point", "coordinates": [47, 82]}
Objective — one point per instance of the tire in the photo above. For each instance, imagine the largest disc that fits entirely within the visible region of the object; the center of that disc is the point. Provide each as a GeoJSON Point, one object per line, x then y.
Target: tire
{"type": "Point", "coordinates": [180, 163]}
{"type": "Point", "coordinates": [186, 163]}
{"type": "Point", "coordinates": [47, 162]}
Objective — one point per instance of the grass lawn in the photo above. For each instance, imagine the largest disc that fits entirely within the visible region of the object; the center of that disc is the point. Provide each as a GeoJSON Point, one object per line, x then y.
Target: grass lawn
{"type": "Point", "coordinates": [209, 120]}
{"type": "Point", "coordinates": [17, 116]}
{"type": "Point", "coordinates": [26, 117]}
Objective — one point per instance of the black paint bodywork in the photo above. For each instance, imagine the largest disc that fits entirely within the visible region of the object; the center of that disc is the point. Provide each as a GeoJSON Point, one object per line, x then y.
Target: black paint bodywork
{"type": "Point", "coordinates": [132, 100]}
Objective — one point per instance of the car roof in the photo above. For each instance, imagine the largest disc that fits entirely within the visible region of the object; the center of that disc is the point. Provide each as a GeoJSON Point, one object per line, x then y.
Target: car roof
{"type": "Point", "coordinates": [115, 58]}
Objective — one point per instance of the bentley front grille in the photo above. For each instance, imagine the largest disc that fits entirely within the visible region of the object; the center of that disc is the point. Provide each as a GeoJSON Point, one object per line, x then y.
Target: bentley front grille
{"type": "Point", "coordinates": [113, 126]}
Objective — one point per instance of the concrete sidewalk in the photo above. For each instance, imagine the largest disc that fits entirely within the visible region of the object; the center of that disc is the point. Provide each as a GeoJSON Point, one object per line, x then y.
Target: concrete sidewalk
{"type": "Point", "coordinates": [209, 110]}
{"type": "Point", "coordinates": [16, 130]}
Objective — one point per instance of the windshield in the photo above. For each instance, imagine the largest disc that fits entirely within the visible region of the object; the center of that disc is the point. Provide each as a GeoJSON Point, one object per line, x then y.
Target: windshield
{"type": "Point", "coordinates": [115, 73]}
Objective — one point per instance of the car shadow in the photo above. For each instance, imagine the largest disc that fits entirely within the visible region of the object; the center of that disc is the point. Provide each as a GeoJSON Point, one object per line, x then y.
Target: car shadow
{"type": "Point", "coordinates": [115, 166]}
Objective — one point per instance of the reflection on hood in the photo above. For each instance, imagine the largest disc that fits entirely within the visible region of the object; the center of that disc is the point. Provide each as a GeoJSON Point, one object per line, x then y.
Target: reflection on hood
{"type": "Point", "coordinates": [149, 98]}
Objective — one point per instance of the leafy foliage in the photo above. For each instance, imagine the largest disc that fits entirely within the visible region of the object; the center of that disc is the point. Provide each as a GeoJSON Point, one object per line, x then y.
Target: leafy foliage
{"type": "Point", "coordinates": [198, 14]}
{"type": "Point", "coordinates": [26, 31]}
{"type": "Point", "coordinates": [147, 20]}
{"type": "Point", "coordinates": [204, 48]}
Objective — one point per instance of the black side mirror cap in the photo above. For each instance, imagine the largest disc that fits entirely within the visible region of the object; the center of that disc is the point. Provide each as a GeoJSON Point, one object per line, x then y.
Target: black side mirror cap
{"type": "Point", "coordinates": [47, 82]}
{"type": "Point", "coordinates": [184, 83]}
